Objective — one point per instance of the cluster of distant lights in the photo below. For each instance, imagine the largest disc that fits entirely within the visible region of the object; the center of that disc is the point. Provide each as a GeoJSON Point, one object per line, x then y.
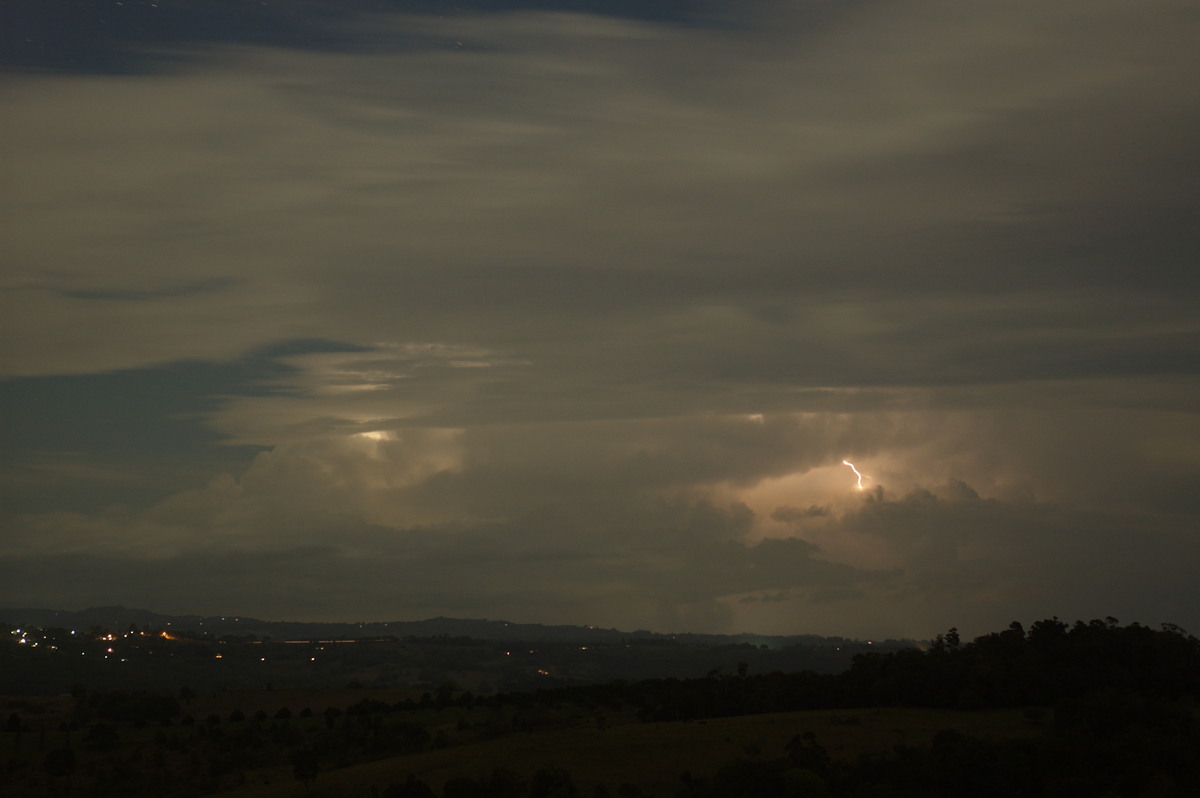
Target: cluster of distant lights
{"type": "Point", "coordinates": [24, 639]}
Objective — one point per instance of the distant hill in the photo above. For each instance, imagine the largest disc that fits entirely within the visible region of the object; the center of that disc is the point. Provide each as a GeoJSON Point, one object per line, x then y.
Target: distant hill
{"type": "Point", "coordinates": [477, 629]}
{"type": "Point", "coordinates": [121, 648]}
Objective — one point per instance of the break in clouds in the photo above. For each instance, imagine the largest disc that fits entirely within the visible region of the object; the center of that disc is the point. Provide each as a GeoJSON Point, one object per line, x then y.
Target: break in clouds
{"type": "Point", "coordinates": [566, 317]}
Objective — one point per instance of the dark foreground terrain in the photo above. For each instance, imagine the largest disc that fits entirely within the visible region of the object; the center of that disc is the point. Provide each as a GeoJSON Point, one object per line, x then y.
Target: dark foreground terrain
{"type": "Point", "coordinates": [1058, 710]}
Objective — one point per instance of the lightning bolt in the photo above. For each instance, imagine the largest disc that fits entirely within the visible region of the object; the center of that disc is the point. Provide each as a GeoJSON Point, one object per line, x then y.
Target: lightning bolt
{"type": "Point", "coordinates": [856, 472]}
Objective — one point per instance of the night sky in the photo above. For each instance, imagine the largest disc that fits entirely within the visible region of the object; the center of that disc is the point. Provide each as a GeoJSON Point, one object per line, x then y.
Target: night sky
{"type": "Point", "coordinates": [570, 312]}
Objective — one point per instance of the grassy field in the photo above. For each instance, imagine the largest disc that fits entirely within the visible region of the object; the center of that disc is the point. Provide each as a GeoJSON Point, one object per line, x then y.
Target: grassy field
{"type": "Point", "coordinates": [223, 702]}
{"type": "Point", "coordinates": [650, 756]}
{"type": "Point", "coordinates": [597, 748]}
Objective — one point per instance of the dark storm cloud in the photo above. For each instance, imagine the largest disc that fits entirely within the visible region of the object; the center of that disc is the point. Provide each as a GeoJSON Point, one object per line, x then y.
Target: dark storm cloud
{"type": "Point", "coordinates": [119, 294]}
{"type": "Point", "coordinates": [605, 295]}
{"type": "Point", "coordinates": [952, 546]}
{"type": "Point", "coordinates": [137, 434]}
{"type": "Point", "coordinates": [621, 231]}
{"type": "Point", "coordinates": [536, 561]}
{"type": "Point", "coordinates": [790, 515]}
{"type": "Point", "coordinates": [945, 553]}
{"type": "Point", "coordinates": [77, 442]}
{"type": "Point", "coordinates": [144, 36]}
{"type": "Point", "coordinates": [132, 37]}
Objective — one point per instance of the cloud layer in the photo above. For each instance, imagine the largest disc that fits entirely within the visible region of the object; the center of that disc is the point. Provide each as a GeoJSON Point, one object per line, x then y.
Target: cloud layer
{"type": "Point", "coordinates": [573, 317]}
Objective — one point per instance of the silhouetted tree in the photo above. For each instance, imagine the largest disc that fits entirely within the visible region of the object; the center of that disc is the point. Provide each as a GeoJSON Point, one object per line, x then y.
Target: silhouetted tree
{"type": "Point", "coordinates": [101, 735]}
{"type": "Point", "coordinates": [506, 784]}
{"type": "Point", "coordinates": [60, 763]}
{"type": "Point", "coordinates": [464, 787]}
{"type": "Point", "coordinates": [305, 766]}
{"type": "Point", "coordinates": [411, 788]}
{"type": "Point", "coordinates": [552, 783]}
{"type": "Point", "coordinates": [803, 752]}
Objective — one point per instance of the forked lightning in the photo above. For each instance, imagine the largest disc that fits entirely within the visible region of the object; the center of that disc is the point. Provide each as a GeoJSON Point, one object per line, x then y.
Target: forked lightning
{"type": "Point", "coordinates": [856, 472]}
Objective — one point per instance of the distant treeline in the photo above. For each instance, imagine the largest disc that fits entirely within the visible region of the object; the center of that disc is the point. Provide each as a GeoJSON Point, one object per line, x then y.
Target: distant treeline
{"type": "Point", "coordinates": [1051, 663]}
{"type": "Point", "coordinates": [1119, 701]}
{"type": "Point", "coordinates": [1121, 704]}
